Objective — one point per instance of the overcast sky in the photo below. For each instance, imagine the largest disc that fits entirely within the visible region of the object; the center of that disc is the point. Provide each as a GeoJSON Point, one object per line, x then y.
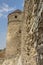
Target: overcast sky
{"type": "Point", "coordinates": [6, 7]}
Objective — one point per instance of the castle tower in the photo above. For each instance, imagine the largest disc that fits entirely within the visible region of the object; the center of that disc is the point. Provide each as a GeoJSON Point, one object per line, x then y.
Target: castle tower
{"type": "Point", "coordinates": [14, 34]}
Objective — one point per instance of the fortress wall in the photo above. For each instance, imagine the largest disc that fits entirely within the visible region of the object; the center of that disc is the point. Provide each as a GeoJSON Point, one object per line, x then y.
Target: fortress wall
{"type": "Point", "coordinates": [32, 13]}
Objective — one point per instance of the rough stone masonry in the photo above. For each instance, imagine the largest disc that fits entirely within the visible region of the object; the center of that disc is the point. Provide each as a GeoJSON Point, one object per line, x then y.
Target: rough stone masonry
{"type": "Point", "coordinates": [32, 27]}
{"type": "Point", "coordinates": [25, 35]}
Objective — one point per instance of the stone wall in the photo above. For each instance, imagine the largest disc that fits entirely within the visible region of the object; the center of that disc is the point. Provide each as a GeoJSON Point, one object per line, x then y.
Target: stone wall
{"type": "Point", "coordinates": [32, 14]}
{"type": "Point", "coordinates": [25, 35]}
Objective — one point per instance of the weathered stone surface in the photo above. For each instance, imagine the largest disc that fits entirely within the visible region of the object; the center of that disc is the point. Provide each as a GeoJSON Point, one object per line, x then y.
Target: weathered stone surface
{"type": "Point", "coordinates": [25, 35]}
{"type": "Point", "coordinates": [32, 14]}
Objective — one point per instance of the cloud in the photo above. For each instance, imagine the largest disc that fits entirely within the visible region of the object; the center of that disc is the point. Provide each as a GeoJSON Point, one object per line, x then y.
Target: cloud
{"type": "Point", "coordinates": [1, 15]}
{"type": "Point", "coordinates": [5, 8]}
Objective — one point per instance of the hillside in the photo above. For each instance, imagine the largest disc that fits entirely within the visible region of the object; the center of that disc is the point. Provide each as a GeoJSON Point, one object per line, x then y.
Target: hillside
{"type": "Point", "coordinates": [2, 53]}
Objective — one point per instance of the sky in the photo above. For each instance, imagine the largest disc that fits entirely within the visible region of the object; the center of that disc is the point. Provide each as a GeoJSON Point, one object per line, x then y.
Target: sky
{"type": "Point", "coordinates": [6, 7]}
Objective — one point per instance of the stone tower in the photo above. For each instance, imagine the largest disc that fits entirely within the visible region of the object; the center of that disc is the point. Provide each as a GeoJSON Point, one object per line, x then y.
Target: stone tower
{"type": "Point", "coordinates": [13, 47]}
{"type": "Point", "coordinates": [25, 34]}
